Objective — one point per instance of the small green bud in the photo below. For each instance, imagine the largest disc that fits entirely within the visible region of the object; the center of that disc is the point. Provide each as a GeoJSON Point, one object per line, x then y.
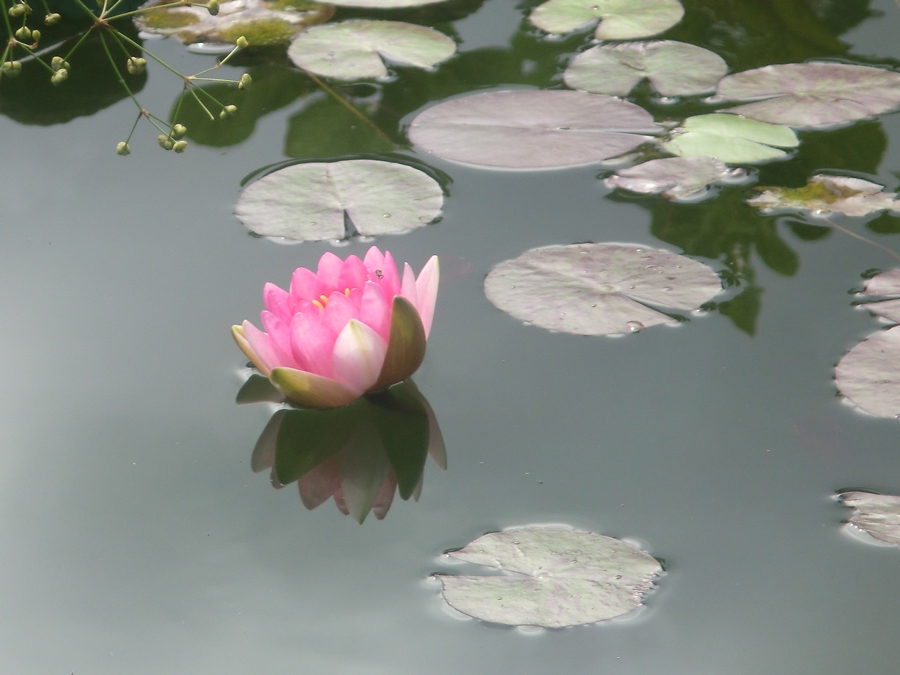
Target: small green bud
{"type": "Point", "coordinates": [23, 34]}
{"type": "Point", "coordinates": [58, 63]}
{"type": "Point", "coordinates": [136, 65]}
{"type": "Point", "coordinates": [11, 68]}
{"type": "Point", "coordinates": [161, 139]}
{"type": "Point", "coordinates": [178, 131]}
{"type": "Point", "coordinates": [245, 82]}
{"type": "Point", "coordinates": [242, 42]}
{"type": "Point", "coordinates": [123, 148]}
{"type": "Point", "coordinates": [230, 110]}
{"type": "Point", "coordinates": [36, 36]}
{"type": "Point", "coordinates": [17, 10]}
{"type": "Point", "coordinates": [52, 19]}
{"type": "Point", "coordinates": [179, 146]}
{"type": "Point", "coordinates": [59, 76]}
{"type": "Point", "coordinates": [213, 7]}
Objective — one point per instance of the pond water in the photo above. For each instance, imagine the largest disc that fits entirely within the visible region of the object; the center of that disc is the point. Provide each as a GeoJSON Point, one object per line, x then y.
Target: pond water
{"type": "Point", "coordinates": [136, 538]}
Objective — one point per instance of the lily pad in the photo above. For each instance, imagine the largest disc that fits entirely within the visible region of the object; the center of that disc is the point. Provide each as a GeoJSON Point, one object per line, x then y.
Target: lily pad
{"type": "Point", "coordinates": [555, 578]}
{"type": "Point", "coordinates": [731, 139]}
{"type": "Point", "coordinates": [354, 49]}
{"type": "Point", "coordinates": [675, 177]}
{"type": "Point", "coordinates": [307, 202]}
{"type": "Point", "coordinates": [531, 129]}
{"type": "Point", "coordinates": [825, 194]}
{"type": "Point", "coordinates": [383, 4]}
{"type": "Point", "coordinates": [886, 284]}
{"type": "Point", "coordinates": [599, 289]}
{"type": "Point", "coordinates": [876, 515]}
{"type": "Point", "coordinates": [619, 19]}
{"type": "Point", "coordinates": [812, 94]}
{"type": "Point", "coordinates": [673, 68]}
{"type": "Point", "coordinates": [869, 374]}
{"type": "Point", "coordinates": [262, 22]}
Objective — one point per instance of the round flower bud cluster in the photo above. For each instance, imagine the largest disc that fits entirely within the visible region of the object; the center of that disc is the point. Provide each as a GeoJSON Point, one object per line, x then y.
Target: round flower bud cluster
{"type": "Point", "coordinates": [136, 65]}
{"type": "Point", "coordinates": [11, 68]}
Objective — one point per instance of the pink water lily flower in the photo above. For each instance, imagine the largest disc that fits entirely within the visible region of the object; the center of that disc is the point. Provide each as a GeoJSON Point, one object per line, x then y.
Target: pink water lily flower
{"type": "Point", "coordinates": [351, 327]}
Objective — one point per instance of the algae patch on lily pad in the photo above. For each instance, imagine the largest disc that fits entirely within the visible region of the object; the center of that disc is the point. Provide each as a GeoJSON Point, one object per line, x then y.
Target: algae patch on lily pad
{"type": "Point", "coordinates": [552, 578]}
{"type": "Point", "coordinates": [619, 19]}
{"type": "Point", "coordinates": [599, 289]}
{"type": "Point", "coordinates": [307, 202]}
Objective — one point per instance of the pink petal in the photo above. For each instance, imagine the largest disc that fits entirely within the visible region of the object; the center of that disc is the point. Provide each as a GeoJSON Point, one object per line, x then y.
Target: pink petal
{"type": "Point", "coordinates": [278, 301]}
{"type": "Point", "coordinates": [280, 338]}
{"type": "Point", "coordinates": [329, 272]}
{"type": "Point", "coordinates": [312, 344]}
{"type": "Point", "coordinates": [408, 289]}
{"type": "Point", "coordinates": [385, 496]}
{"type": "Point", "coordinates": [305, 285]}
{"type": "Point", "coordinates": [353, 275]}
{"type": "Point", "coordinates": [426, 291]}
{"type": "Point", "coordinates": [261, 345]}
{"type": "Point", "coordinates": [358, 356]}
{"type": "Point", "coordinates": [338, 311]}
{"type": "Point", "coordinates": [374, 259]}
{"type": "Point", "coordinates": [390, 281]}
{"type": "Point", "coordinates": [375, 310]}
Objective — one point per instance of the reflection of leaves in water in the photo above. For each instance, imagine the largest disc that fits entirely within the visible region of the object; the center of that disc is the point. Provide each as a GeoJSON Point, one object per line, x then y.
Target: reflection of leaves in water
{"type": "Point", "coordinates": [326, 128]}
{"type": "Point", "coordinates": [92, 84]}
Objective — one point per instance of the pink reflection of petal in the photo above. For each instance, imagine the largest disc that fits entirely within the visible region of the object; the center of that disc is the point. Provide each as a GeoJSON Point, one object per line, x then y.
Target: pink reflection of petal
{"type": "Point", "coordinates": [312, 344]}
{"type": "Point", "coordinates": [329, 272]}
{"type": "Point", "coordinates": [305, 285]}
{"type": "Point", "coordinates": [426, 291]}
{"type": "Point", "coordinates": [353, 275]}
{"type": "Point", "coordinates": [385, 496]}
{"type": "Point", "coordinates": [317, 486]}
{"type": "Point", "coordinates": [375, 310]}
{"type": "Point", "coordinates": [340, 502]}
{"type": "Point", "coordinates": [358, 356]}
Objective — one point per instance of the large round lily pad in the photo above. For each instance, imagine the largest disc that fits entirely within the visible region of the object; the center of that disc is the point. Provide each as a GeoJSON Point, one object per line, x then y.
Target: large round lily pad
{"type": "Point", "coordinates": [529, 129]}
{"type": "Point", "coordinates": [869, 374]}
{"type": "Point", "coordinates": [559, 578]}
{"type": "Point", "coordinates": [731, 139]}
{"type": "Point", "coordinates": [675, 177]}
{"type": "Point", "coordinates": [599, 289]}
{"type": "Point", "coordinates": [674, 68]}
{"type": "Point", "coordinates": [353, 49]}
{"type": "Point", "coordinates": [812, 94]}
{"type": "Point", "coordinates": [619, 19]}
{"type": "Point", "coordinates": [875, 514]}
{"type": "Point", "coordinates": [307, 202]}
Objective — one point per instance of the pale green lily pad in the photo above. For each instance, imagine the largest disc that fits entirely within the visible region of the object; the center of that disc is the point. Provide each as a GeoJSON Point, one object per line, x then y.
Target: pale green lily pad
{"type": "Point", "coordinates": [675, 177]}
{"type": "Point", "coordinates": [731, 139]}
{"type": "Point", "coordinates": [812, 94]}
{"type": "Point", "coordinates": [599, 289]}
{"type": "Point", "coordinates": [527, 129]}
{"type": "Point", "coordinates": [674, 68]}
{"type": "Point", "coordinates": [554, 578]}
{"type": "Point", "coordinates": [869, 374]}
{"type": "Point", "coordinates": [307, 202]}
{"type": "Point", "coordinates": [829, 194]}
{"type": "Point", "coordinates": [262, 22]}
{"type": "Point", "coordinates": [619, 19]}
{"type": "Point", "coordinates": [875, 514]}
{"type": "Point", "coordinates": [354, 49]}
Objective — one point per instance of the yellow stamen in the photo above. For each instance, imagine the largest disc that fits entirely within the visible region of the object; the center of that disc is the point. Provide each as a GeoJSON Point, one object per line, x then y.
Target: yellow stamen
{"type": "Point", "coordinates": [347, 292]}
{"type": "Point", "coordinates": [318, 304]}
{"type": "Point", "coordinates": [324, 299]}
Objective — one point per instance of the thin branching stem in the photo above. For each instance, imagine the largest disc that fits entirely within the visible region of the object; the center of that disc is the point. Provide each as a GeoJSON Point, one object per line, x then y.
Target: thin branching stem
{"type": "Point", "coordinates": [193, 92]}
{"type": "Point", "coordinates": [862, 238]}
{"type": "Point", "coordinates": [78, 44]}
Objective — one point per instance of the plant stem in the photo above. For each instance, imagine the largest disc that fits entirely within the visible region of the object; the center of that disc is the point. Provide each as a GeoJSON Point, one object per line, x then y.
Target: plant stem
{"type": "Point", "coordinates": [862, 238]}
{"type": "Point", "coordinates": [340, 99]}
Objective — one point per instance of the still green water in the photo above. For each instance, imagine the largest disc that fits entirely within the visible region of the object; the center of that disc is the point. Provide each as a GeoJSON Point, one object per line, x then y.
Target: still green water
{"type": "Point", "coordinates": [137, 540]}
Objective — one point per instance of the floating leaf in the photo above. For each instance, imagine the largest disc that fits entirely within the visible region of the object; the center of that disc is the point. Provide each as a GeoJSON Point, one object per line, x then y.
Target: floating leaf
{"type": "Point", "coordinates": [730, 138]}
{"type": "Point", "coordinates": [383, 4]}
{"type": "Point", "coordinates": [307, 202]}
{"type": "Point", "coordinates": [531, 129]}
{"type": "Point", "coordinates": [875, 514]}
{"type": "Point", "coordinates": [675, 177]}
{"type": "Point", "coordinates": [619, 19]}
{"type": "Point", "coordinates": [262, 22]}
{"type": "Point", "coordinates": [353, 49]}
{"type": "Point", "coordinates": [674, 68]}
{"type": "Point", "coordinates": [558, 578]}
{"type": "Point", "coordinates": [869, 374]}
{"type": "Point", "coordinates": [824, 194]}
{"type": "Point", "coordinates": [812, 94]}
{"type": "Point", "coordinates": [598, 289]}
{"type": "Point", "coordinates": [885, 284]}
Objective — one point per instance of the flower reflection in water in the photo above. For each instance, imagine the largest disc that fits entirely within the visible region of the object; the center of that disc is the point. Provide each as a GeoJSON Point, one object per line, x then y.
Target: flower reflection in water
{"type": "Point", "coordinates": [360, 454]}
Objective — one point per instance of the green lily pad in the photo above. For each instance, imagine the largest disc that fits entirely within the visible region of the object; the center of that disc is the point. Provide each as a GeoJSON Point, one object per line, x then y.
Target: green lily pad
{"type": "Point", "coordinates": [829, 194]}
{"type": "Point", "coordinates": [875, 514]}
{"type": "Point", "coordinates": [528, 129]}
{"type": "Point", "coordinates": [619, 19]}
{"type": "Point", "coordinates": [675, 177]}
{"type": "Point", "coordinates": [354, 49]}
{"type": "Point", "coordinates": [869, 374]}
{"type": "Point", "coordinates": [674, 68]}
{"type": "Point", "coordinates": [307, 202]}
{"type": "Point", "coordinates": [262, 22]}
{"type": "Point", "coordinates": [599, 289]}
{"type": "Point", "coordinates": [812, 94]}
{"type": "Point", "coordinates": [554, 578]}
{"type": "Point", "coordinates": [731, 139]}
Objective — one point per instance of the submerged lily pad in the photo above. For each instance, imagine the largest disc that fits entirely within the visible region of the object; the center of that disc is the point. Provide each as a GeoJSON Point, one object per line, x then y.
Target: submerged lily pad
{"type": "Point", "coordinates": [531, 129]}
{"type": "Point", "coordinates": [812, 94]}
{"type": "Point", "coordinates": [825, 194]}
{"type": "Point", "coordinates": [869, 374]}
{"type": "Point", "coordinates": [619, 19]}
{"type": "Point", "coordinates": [731, 138]}
{"type": "Point", "coordinates": [675, 177]}
{"type": "Point", "coordinates": [262, 22]}
{"type": "Point", "coordinates": [307, 202]}
{"type": "Point", "coordinates": [555, 578]}
{"type": "Point", "coordinates": [674, 68]}
{"type": "Point", "coordinates": [598, 289]}
{"type": "Point", "coordinates": [876, 515]}
{"type": "Point", "coordinates": [353, 49]}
